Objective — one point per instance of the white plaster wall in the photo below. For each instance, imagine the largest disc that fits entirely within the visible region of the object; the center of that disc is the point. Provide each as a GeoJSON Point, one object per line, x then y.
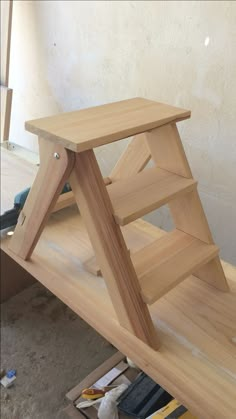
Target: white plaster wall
{"type": "Point", "coordinates": [73, 54]}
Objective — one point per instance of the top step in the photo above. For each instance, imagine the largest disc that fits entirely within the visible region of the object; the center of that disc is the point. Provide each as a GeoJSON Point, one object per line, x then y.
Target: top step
{"type": "Point", "coordinates": [89, 128]}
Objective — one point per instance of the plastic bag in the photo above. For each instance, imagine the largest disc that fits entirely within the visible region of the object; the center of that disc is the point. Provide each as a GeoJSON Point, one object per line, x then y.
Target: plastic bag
{"type": "Point", "coordinates": [108, 408]}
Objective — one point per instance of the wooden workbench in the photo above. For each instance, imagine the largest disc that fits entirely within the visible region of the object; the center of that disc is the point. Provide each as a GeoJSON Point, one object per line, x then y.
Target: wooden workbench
{"type": "Point", "coordinates": [196, 323]}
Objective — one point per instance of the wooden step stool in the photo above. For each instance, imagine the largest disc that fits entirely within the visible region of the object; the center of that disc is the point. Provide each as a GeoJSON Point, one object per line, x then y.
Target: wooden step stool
{"type": "Point", "coordinates": [66, 143]}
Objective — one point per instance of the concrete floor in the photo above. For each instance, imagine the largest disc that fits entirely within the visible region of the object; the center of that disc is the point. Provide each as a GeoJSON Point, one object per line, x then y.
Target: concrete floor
{"type": "Point", "coordinates": [51, 348]}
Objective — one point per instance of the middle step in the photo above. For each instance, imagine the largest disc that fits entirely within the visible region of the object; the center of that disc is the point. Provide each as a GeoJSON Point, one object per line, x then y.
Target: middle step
{"type": "Point", "coordinates": [148, 190]}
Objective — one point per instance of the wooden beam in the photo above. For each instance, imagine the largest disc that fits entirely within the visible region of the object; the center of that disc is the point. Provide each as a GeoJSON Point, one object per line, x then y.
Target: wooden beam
{"type": "Point", "coordinates": [133, 160]}
{"type": "Point", "coordinates": [140, 194]}
{"type": "Point", "coordinates": [187, 211]}
{"type": "Point", "coordinates": [167, 150]}
{"type": "Point", "coordinates": [51, 177]}
{"type": "Point", "coordinates": [110, 248]}
{"type": "Point", "coordinates": [6, 101]}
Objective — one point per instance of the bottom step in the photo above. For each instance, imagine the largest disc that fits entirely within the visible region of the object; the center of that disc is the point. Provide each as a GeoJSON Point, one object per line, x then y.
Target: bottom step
{"type": "Point", "coordinates": [166, 262]}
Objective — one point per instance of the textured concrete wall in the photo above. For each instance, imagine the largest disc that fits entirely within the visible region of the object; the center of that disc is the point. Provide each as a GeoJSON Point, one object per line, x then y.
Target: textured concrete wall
{"type": "Point", "coordinates": [73, 54]}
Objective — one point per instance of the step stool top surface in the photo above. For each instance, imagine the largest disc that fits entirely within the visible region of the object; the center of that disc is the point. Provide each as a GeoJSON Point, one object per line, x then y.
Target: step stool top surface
{"type": "Point", "coordinates": [89, 128]}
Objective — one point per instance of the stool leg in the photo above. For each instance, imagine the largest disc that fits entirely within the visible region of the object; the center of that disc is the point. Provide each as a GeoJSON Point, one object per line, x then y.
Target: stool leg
{"type": "Point", "coordinates": [110, 248]}
{"type": "Point", "coordinates": [56, 164]}
{"type": "Point", "coordinates": [187, 212]}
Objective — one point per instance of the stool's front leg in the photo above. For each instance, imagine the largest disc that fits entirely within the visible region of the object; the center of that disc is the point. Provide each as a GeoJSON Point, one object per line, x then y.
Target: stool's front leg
{"type": "Point", "coordinates": [56, 164]}
{"type": "Point", "coordinates": [111, 252]}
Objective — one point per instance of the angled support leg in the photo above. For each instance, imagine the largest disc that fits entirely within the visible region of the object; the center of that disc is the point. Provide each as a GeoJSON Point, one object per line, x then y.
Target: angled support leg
{"type": "Point", "coordinates": [187, 212]}
{"type": "Point", "coordinates": [110, 249]}
{"type": "Point", "coordinates": [133, 160]}
{"type": "Point", "coordinates": [56, 164]}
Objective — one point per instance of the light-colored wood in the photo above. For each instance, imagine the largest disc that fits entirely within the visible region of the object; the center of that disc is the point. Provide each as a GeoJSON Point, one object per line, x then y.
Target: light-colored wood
{"type": "Point", "coordinates": [64, 200]}
{"type": "Point", "coordinates": [133, 160]}
{"type": "Point", "coordinates": [188, 216]}
{"type": "Point", "coordinates": [168, 261]}
{"type": "Point", "coordinates": [93, 127]}
{"type": "Point", "coordinates": [148, 190]}
{"type": "Point", "coordinates": [51, 177]}
{"type": "Point", "coordinates": [187, 211]}
{"type": "Point", "coordinates": [213, 273]}
{"type": "Point", "coordinates": [167, 150]}
{"type": "Point", "coordinates": [196, 323]}
{"type": "Point", "coordinates": [92, 266]}
{"type": "Point", "coordinates": [6, 101]}
{"type": "Point", "coordinates": [6, 21]}
{"type": "Point", "coordinates": [67, 199]}
{"type": "Point", "coordinates": [111, 252]}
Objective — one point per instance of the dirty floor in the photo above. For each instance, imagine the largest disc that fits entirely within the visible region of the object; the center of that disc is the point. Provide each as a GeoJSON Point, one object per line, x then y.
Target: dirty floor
{"type": "Point", "coordinates": [51, 348]}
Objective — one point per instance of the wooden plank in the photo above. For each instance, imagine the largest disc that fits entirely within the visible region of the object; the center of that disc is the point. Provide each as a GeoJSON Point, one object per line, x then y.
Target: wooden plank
{"type": "Point", "coordinates": [6, 22]}
{"type": "Point", "coordinates": [213, 273]}
{"type": "Point", "coordinates": [95, 375]}
{"type": "Point", "coordinates": [188, 216]}
{"type": "Point", "coordinates": [148, 190]}
{"type": "Point", "coordinates": [110, 249]}
{"type": "Point", "coordinates": [167, 150]}
{"type": "Point", "coordinates": [196, 323]}
{"type": "Point", "coordinates": [65, 200]}
{"type": "Point", "coordinates": [92, 266]}
{"type": "Point", "coordinates": [168, 261]}
{"type": "Point", "coordinates": [6, 101]}
{"type": "Point", "coordinates": [133, 160]}
{"type": "Point", "coordinates": [187, 211]}
{"type": "Point", "coordinates": [51, 177]}
{"type": "Point", "coordinates": [93, 127]}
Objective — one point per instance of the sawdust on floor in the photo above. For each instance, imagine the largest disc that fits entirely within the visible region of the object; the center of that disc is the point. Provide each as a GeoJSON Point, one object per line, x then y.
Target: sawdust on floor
{"type": "Point", "coordinates": [51, 348]}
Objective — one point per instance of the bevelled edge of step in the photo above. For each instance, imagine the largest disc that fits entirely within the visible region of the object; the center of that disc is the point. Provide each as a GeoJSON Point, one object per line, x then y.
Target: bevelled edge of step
{"type": "Point", "coordinates": [146, 191]}
{"type": "Point", "coordinates": [166, 262]}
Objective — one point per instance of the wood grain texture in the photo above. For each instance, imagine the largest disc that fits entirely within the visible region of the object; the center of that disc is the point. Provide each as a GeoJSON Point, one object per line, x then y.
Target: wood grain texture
{"type": "Point", "coordinates": [213, 273]}
{"type": "Point", "coordinates": [91, 265]}
{"type": "Point", "coordinates": [50, 179]}
{"type": "Point", "coordinates": [93, 127]}
{"type": "Point", "coordinates": [68, 199]}
{"type": "Point", "coordinates": [6, 23]}
{"type": "Point", "coordinates": [187, 210]}
{"type": "Point", "coordinates": [148, 190]}
{"type": "Point", "coordinates": [6, 101]}
{"type": "Point", "coordinates": [110, 249]}
{"type": "Point", "coordinates": [167, 150]}
{"type": "Point", "coordinates": [133, 160]}
{"type": "Point", "coordinates": [65, 200]}
{"type": "Point", "coordinates": [196, 323]}
{"type": "Point", "coordinates": [168, 261]}
{"type": "Point", "coordinates": [188, 216]}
